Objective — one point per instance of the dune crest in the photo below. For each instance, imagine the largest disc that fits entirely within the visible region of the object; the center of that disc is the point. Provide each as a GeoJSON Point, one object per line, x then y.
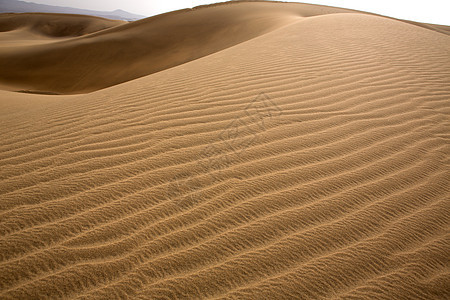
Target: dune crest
{"type": "Point", "coordinates": [310, 161]}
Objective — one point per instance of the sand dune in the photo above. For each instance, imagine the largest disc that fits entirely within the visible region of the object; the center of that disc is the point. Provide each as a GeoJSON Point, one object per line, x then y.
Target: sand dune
{"type": "Point", "coordinates": [132, 50]}
{"type": "Point", "coordinates": [141, 48]}
{"type": "Point", "coordinates": [304, 158]}
{"type": "Point", "coordinates": [55, 25]}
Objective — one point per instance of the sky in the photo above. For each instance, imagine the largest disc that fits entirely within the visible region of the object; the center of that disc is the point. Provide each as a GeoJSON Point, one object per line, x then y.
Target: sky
{"type": "Point", "coordinates": [427, 11]}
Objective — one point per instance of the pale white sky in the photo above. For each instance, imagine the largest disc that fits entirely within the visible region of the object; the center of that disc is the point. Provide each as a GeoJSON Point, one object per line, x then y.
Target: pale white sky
{"type": "Point", "coordinates": [428, 11]}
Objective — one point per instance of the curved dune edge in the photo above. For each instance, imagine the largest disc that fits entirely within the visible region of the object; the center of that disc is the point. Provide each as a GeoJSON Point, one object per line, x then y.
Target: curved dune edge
{"type": "Point", "coordinates": [310, 162]}
{"type": "Point", "coordinates": [132, 50]}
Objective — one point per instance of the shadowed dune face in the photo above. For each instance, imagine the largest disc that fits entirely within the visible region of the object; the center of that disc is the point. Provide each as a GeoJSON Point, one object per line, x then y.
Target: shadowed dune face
{"type": "Point", "coordinates": [55, 25]}
{"type": "Point", "coordinates": [140, 48]}
{"type": "Point", "coordinates": [309, 162]}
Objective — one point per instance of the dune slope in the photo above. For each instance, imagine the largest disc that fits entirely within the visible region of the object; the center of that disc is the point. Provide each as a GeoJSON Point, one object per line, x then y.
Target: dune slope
{"type": "Point", "coordinates": [55, 25]}
{"type": "Point", "coordinates": [311, 162]}
{"type": "Point", "coordinates": [144, 47]}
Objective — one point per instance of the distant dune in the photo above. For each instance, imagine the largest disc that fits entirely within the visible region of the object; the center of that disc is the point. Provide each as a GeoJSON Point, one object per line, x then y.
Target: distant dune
{"type": "Point", "coordinates": [53, 25]}
{"type": "Point", "coordinates": [14, 6]}
{"type": "Point", "coordinates": [234, 151]}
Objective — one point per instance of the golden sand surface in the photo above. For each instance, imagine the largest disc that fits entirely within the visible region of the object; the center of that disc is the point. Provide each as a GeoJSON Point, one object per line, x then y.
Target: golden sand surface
{"type": "Point", "coordinates": [239, 151]}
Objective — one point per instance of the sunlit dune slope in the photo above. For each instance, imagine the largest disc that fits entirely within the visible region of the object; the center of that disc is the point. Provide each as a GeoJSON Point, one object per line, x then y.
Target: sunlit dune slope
{"type": "Point", "coordinates": [309, 162]}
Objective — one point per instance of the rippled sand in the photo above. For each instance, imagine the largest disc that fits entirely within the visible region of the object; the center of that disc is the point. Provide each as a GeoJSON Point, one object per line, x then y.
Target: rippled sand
{"type": "Point", "coordinates": [267, 151]}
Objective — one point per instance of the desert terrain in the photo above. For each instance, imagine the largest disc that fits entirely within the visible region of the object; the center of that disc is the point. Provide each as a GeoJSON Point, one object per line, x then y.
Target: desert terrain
{"type": "Point", "coordinates": [245, 150]}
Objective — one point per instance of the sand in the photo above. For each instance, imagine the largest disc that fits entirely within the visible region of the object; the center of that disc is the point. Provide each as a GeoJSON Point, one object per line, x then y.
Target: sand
{"type": "Point", "coordinates": [284, 151]}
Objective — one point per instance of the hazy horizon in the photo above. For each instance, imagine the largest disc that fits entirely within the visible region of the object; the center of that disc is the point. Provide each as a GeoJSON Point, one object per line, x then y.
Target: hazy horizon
{"type": "Point", "coordinates": [432, 11]}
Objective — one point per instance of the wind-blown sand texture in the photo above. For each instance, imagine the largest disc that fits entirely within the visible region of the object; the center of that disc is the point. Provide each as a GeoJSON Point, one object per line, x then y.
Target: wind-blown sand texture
{"type": "Point", "coordinates": [277, 151]}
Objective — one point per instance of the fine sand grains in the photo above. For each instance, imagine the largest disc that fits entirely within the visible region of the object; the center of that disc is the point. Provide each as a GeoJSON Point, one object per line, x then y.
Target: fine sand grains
{"type": "Point", "coordinates": [309, 162]}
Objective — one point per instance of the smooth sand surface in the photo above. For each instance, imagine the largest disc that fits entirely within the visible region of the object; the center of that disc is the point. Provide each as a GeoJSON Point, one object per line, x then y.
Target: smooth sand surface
{"type": "Point", "coordinates": [301, 154]}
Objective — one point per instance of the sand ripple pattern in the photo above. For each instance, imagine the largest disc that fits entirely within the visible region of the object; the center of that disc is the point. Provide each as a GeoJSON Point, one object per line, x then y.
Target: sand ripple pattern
{"type": "Point", "coordinates": [308, 163]}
